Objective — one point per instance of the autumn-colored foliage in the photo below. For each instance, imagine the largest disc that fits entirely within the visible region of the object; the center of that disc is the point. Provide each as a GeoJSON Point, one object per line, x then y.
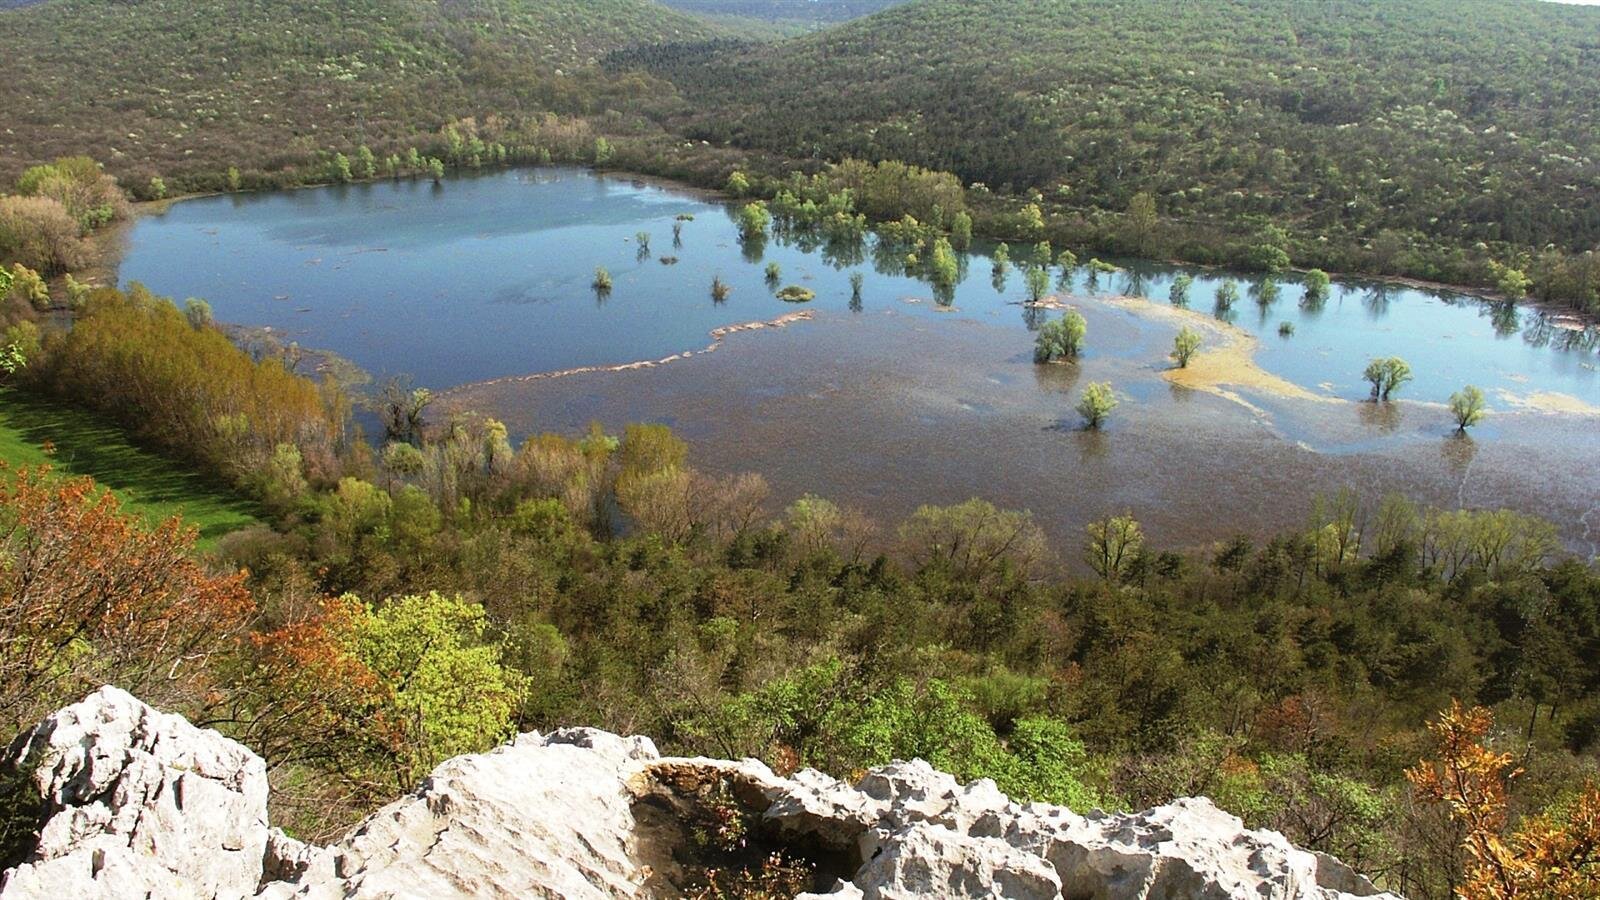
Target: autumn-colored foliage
{"type": "Point", "coordinates": [189, 391]}
{"type": "Point", "coordinates": [1554, 855]}
{"type": "Point", "coordinates": [378, 695]}
{"type": "Point", "coordinates": [90, 595]}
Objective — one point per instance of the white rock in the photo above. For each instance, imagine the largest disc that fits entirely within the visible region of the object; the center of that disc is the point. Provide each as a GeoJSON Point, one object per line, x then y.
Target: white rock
{"type": "Point", "coordinates": [142, 804]}
{"type": "Point", "coordinates": [543, 817]}
{"type": "Point", "coordinates": [139, 803]}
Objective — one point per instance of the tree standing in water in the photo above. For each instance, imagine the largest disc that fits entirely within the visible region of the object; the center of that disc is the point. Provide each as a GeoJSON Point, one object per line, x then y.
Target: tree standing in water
{"type": "Point", "coordinates": [1185, 345]}
{"type": "Point", "coordinates": [1468, 407]}
{"type": "Point", "coordinates": [1386, 375]}
{"type": "Point", "coordinates": [1096, 404]}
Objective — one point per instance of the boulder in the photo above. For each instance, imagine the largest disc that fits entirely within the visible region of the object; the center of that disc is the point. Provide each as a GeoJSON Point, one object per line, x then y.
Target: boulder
{"type": "Point", "coordinates": [138, 803]}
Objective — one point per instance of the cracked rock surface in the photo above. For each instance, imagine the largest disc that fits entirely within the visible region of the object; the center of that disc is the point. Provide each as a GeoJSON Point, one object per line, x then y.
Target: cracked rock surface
{"type": "Point", "coordinates": [138, 803]}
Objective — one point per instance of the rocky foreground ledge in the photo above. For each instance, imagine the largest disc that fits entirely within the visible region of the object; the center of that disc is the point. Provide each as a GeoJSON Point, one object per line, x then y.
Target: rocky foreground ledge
{"type": "Point", "coordinates": [133, 802]}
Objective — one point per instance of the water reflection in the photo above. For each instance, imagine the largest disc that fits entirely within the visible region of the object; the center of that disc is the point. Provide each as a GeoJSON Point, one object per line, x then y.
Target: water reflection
{"type": "Point", "coordinates": [1376, 300]}
{"type": "Point", "coordinates": [1133, 283]}
{"type": "Point", "coordinates": [1384, 417]}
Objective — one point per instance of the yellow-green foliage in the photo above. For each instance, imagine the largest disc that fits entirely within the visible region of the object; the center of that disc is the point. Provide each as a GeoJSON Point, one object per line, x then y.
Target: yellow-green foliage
{"type": "Point", "coordinates": [136, 358]}
{"type": "Point", "coordinates": [446, 689]}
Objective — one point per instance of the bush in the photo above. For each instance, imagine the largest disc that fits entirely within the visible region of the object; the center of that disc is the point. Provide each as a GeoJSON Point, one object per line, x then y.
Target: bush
{"type": "Point", "coordinates": [1061, 338]}
{"type": "Point", "coordinates": [91, 197]}
{"type": "Point", "coordinates": [796, 294]}
{"type": "Point", "coordinates": [1185, 345]}
{"type": "Point", "coordinates": [39, 232]}
{"type": "Point", "coordinates": [24, 286]}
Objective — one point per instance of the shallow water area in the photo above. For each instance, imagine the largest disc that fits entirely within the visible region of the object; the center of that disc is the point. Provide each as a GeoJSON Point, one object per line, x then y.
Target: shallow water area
{"type": "Point", "coordinates": [905, 395]}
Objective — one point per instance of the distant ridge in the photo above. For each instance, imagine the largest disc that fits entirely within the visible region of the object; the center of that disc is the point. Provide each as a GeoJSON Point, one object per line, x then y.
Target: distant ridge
{"type": "Point", "coordinates": [181, 86]}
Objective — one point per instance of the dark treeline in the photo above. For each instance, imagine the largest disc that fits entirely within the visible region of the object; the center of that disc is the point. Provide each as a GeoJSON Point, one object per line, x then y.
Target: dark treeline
{"type": "Point", "coordinates": [431, 592]}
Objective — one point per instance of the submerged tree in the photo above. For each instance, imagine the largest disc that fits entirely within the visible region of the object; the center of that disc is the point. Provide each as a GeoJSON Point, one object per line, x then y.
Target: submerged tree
{"type": "Point", "coordinates": [1096, 404]}
{"type": "Point", "coordinates": [942, 264]}
{"type": "Point", "coordinates": [753, 220]}
{"type": "Point", "coordinates": [1386, 376]}
{"type": "Point", "coordinates": [1068, 261]}
{"type": "Point", "coordinates": [1038, 283]}
{"type": "Point", "coordinates": [1468, 407]}
{"type": "Point", "coordinates": [1227, 295]}
{"type": "Point", "coordinates": [719, 289]}
{"type": "Point", "coordinates": [1179, 294]}
{"type": "Point", "coordinates": [1061, 338]}
{"type": "Point", "coordinates": [1317, 283]}
{"type": "Point", "coordinates": [602, 280]}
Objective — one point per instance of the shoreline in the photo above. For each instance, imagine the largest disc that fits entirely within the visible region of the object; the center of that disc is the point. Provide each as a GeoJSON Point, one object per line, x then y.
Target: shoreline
{"type": "Point", "coordinates": [718, 336]}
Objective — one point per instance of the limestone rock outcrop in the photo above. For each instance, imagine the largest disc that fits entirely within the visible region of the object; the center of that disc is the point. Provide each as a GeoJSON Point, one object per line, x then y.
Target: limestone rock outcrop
{"type": "Point", "coordinates": [136, 803]}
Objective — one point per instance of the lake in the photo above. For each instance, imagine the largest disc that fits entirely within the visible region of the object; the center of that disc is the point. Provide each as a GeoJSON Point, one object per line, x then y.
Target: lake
{"type": "Point", "coordinates": [474, 285]}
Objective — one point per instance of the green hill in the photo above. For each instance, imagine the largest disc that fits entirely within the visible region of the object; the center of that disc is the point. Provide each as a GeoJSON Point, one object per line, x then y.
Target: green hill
{"type": "Point", "coordinates": [188, 87]}
{"type": "Point", "coordinates": [1376, 124]}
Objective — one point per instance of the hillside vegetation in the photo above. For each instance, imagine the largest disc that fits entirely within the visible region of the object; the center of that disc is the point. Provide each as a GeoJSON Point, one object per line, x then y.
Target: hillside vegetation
{"type": "Point", "coordinates": [1384, 128]}
{"type": "Point", "coordinates": [182, 89]}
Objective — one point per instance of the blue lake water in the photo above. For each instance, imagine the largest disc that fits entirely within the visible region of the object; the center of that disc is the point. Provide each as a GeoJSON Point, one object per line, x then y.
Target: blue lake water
{"type": "Point", "coordinates": [489, 276]}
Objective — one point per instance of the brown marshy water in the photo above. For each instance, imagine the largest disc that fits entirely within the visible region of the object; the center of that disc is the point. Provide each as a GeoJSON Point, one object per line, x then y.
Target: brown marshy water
{"type": "Point", "coordinates": [885, 411]}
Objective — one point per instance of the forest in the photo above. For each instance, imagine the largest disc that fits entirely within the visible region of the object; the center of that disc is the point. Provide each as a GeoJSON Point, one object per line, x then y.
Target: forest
{"type": "Point", "coordinates": [810, 12]}
{"type": "Point", "coordinates": [1233, 116]}
{"type": "Point", "coordinates": [431, 590]}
